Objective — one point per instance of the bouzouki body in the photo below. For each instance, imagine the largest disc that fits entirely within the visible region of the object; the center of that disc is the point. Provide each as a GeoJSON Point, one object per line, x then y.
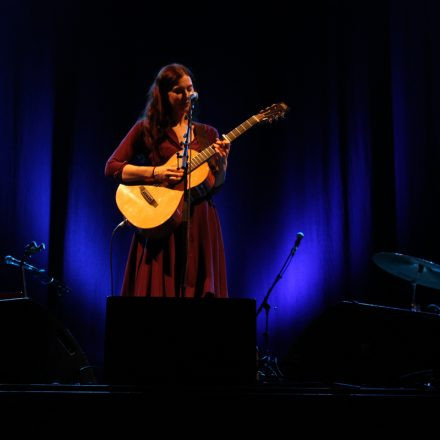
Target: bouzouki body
{"type": "Point", "coordinates": [156, 210]}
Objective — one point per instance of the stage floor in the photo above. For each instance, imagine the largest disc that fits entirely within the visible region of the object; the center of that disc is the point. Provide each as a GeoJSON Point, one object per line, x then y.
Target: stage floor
{"type": "Point", "coordinates": [278, 405]}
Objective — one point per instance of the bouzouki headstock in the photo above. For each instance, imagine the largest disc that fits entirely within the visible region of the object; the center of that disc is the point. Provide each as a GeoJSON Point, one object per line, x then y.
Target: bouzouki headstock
{"type": "Point", "coordinates": [273, 112]}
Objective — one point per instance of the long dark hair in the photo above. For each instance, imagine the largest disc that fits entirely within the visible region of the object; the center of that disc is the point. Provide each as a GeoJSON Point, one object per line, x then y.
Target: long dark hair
{"type": "Point", "coordinates": [157, 112]}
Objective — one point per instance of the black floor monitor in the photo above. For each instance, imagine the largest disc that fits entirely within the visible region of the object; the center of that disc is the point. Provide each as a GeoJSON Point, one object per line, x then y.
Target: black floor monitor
{"type": "Point", "coordinates": [171, 340]}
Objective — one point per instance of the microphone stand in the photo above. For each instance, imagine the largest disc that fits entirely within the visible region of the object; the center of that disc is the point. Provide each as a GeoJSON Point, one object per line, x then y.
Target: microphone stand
{"type": "Point", "coordinates": [22, 264]}
{"type": "Point", "coordinates": [268, 365]}
{"type": "Point", "coordinates": [29, 249]}
{"type": "Point", "coordinates": [186, 201]}
{"type": "Point", "coordinates": [40, 274]}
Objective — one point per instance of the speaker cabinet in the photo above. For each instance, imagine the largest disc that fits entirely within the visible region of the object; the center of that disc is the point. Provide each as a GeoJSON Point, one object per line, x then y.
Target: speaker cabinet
{"type": "Point", "coordinates": [36, 348]}
{"type": "Point", "coordinates": [368, 344]}
{"type": "Point", "coordinates": [171, 340]}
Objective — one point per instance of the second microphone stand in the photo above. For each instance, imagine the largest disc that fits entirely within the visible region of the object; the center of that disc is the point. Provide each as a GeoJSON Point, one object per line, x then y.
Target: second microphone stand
{"type": "Point", "coordinates": [185, 164]}
{"type": "Point", "coordinates": [268, 365]}
{"type": "Point", "coordinates": [30, 249]}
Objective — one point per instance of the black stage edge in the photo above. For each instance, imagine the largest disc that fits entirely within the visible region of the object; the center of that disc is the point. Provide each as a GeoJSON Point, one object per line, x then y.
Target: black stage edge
{"type": "Point", "coordinates": [262, 406]}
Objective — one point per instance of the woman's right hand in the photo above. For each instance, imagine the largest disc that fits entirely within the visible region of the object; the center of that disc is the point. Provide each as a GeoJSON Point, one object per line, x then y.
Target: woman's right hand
{"type": "Point", "coordinates": [169, 174]}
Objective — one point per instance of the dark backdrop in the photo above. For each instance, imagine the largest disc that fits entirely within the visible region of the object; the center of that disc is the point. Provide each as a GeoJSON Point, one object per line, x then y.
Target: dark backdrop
{"type": "Point", "coordinates": [352, 166]}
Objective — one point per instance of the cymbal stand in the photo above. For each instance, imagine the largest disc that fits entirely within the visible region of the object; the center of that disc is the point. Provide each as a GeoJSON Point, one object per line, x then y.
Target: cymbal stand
{"type": "Point", "coordinates": [268, 364]}
{"type": "Point", "coordinates": [414, 306]}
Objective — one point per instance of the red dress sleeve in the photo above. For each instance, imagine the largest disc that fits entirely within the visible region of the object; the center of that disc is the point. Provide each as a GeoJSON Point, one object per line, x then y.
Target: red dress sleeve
{"type": "Point", "coordinates": [125, 152]}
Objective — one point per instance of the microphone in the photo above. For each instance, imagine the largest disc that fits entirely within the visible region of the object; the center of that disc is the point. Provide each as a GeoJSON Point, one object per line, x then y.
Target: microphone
{"type": "Point", "coordinates": [194, 97]}
{"type": "Point", "coordinates": [299, 237]}
{"type": "Point", "coordinates": [33, 248]}
{"type": "Point", "coordinates": [9, 259]}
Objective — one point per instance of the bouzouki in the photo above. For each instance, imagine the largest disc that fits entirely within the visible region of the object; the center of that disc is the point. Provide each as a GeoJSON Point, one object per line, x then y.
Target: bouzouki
{"type": "Point", "coordinates": [157, 209]}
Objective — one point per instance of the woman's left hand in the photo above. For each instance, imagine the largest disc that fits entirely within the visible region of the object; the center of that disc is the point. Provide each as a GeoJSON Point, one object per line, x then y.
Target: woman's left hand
{"type": "Point", "coordinates": [222, 148]}
{"type": "Point", "coordinates": [220, 162]}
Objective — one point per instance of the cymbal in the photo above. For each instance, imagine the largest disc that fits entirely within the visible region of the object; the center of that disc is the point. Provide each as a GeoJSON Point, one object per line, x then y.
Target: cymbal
{"type": "Point", "coordinates": [415, 270]}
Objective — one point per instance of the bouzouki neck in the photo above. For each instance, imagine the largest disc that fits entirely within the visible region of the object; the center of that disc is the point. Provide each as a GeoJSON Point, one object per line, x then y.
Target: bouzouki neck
{"type": "Point", "coordinates": [208, 152]}
{"type": "Point", "coordinates": [275, 111]}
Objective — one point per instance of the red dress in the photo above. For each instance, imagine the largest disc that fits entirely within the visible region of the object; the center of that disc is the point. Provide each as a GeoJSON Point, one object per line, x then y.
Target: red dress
{"type": "Point", "coordinates": [154, 265]}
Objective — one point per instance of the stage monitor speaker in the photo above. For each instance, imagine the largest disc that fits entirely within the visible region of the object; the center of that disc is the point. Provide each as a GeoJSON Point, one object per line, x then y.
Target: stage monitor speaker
{"type": "Point", "coordinates": [36, 348]}
{"type": "Point", "coordinates": [169, 340]}
{"type": "Point", "coordinates": [353, 342]}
